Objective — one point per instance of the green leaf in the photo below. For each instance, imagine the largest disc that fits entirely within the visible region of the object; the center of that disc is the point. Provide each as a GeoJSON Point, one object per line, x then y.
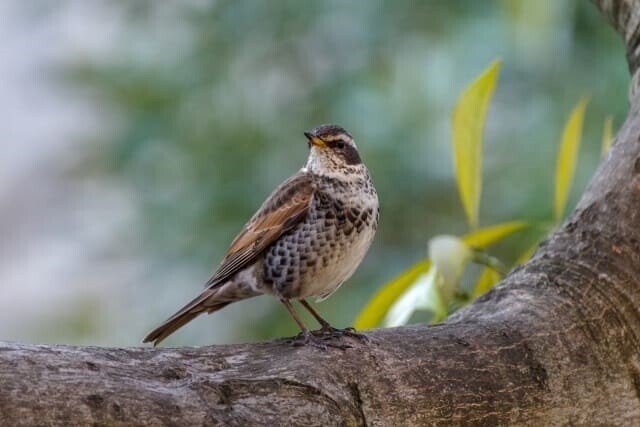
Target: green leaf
{"type": "Point", "coordinates": [607, 134]}
{"type": "Point", "coordinates": [567, 157]}
{"type": "Point", "coordinates": [375, 310]}
{"type": "Point", "coordinates": [486, 280]}
{"type": "Point", "coordinates": [486, 236]}
{"type": "Point", "coordinates": [423, 294]}
{"type": "Point", "coordinates": [469, 117]}
{"type": "Point", "coordinates": [489, 276]}
{"type": "Point", "coordinates": [527, 254]}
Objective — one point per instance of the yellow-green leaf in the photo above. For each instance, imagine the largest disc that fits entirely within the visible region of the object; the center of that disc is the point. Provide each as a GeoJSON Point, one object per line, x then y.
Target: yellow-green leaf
{"type": "Point", "coordinates": [486, 280]}
{"type": "Point", "coordinates": [422, 295]}
{"type": "Point", "coordinates": [469, 117]}
{"type": "Point", "coordinates": [375, 310]}
{"type": "Point", "coordinates": [489, 276]}
{"type": "Point", "coordinates": [567, 157]}
{"type": "Point", "coordinates": [607, 134]}
{"type": "Point", "coordinates": [486, 236]}
{"type": "Point", "coordinates": [526, 255]}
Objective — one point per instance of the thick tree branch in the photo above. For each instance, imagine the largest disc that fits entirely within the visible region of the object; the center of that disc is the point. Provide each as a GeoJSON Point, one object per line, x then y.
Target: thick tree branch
{"type": "Point", "coordinates": [557, 342]}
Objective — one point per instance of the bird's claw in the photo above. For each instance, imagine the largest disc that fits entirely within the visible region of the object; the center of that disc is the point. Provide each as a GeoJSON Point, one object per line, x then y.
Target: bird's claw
{"type": "Point", "coordinates": [322, 342]}
{"type": "Point", "coordinates": [328, 332]}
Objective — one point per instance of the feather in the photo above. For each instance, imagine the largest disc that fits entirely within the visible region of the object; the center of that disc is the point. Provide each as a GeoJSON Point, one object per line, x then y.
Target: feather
{"type": "Point", "coordinates": [283, 210]}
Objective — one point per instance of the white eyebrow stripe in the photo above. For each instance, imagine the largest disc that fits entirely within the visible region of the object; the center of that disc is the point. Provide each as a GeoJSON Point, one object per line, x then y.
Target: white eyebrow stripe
{"type": "Point", "coordinates": [337, 137]}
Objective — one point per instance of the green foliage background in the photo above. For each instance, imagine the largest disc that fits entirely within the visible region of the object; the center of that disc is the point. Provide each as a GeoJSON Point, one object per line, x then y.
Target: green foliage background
{"type": "Point", "coordinates": [206, 103]}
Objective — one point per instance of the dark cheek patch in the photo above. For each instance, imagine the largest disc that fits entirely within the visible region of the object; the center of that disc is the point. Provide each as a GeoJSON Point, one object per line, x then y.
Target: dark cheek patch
{"type": "Point", "coordinates": [351, 155]}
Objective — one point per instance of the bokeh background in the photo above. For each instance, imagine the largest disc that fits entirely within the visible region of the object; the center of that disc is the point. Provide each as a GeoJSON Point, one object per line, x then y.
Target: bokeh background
{"type": "Point", "coordinates": [138, 137]}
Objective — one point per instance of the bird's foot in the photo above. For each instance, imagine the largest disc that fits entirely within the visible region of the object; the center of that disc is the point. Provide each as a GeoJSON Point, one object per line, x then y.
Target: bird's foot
{"type": "Point", "coordinates": [308, 338]}
{"type": "Point", "coordinates": [327, 331]}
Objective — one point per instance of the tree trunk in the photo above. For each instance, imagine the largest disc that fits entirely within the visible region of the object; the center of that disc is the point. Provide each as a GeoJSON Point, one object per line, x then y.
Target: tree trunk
{"type": "Point", "coordinates": [556, 343]}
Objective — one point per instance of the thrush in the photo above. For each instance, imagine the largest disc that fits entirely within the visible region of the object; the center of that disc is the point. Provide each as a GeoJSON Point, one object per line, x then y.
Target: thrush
{"type": "Point", "coordinates": [306, 239]}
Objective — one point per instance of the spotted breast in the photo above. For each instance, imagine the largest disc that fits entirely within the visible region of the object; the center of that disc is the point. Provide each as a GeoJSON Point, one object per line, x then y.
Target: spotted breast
{"type": "Point", "coordinates": [306, 239]}
{"type": "Point", "coordinates": [324, 250]}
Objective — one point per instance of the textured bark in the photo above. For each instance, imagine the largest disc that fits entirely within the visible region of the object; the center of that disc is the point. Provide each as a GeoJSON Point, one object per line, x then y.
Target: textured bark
{"type": "Point", "coordinates": [556, 343]}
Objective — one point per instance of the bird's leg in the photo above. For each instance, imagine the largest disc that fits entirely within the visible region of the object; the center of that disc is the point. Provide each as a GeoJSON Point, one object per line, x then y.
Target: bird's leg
{"type": "Point", "coordinates": [294, 314]}
{"type": "Point", "coordinates": [326, 327]}
{"type": "Point", "coordinates": [306, 337]}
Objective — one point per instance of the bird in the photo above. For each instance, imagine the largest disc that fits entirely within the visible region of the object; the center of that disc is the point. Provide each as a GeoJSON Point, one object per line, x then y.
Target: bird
{"type": "Point", "coordinates": [308, 237]}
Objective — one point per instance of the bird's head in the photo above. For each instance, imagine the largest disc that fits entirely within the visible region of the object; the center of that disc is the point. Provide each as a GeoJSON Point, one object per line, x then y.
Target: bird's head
{"type": "Point", "coordinates": [332, 150]}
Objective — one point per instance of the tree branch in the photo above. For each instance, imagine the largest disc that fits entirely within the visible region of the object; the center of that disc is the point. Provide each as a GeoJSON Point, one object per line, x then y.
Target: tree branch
{"type": "Point", "coordinates": [624, 16]}
{"type": "Point", "coordinates": [557, 342]}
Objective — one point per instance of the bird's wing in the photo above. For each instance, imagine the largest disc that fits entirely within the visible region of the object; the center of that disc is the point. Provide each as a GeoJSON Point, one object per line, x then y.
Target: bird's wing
{"type": "Point", "coordinates": [283, 209]}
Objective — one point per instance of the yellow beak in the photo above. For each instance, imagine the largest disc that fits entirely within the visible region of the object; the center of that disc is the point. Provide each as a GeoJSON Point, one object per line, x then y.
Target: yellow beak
{"type": "Point", "coordinates": [315, 140]}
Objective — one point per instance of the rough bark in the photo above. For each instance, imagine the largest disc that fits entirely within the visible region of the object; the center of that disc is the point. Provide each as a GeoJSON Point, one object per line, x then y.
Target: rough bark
{"type": "Point", "coordinates": [556, 343]}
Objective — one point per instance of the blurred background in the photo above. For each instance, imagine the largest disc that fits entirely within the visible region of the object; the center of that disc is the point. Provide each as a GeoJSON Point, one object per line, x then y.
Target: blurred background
{"type": "Point", "coordinates": [138, 137]}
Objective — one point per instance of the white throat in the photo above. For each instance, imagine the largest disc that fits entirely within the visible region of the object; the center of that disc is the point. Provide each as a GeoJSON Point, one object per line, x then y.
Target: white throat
{"type": "Point", "coordinates": [323, 165]}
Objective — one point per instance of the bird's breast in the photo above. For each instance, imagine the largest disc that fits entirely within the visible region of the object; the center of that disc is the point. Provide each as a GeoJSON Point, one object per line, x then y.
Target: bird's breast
{"type": "Point", "coordinates": [325, 249]}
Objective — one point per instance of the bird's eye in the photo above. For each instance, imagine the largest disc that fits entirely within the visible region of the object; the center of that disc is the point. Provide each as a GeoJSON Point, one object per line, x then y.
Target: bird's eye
{"type": "Point", "coordinates": [340, 145]}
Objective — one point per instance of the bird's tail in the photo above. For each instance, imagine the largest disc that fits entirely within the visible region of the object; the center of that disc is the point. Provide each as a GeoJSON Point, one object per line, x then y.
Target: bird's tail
{"type": "Point", "coordinates": [205, 302]}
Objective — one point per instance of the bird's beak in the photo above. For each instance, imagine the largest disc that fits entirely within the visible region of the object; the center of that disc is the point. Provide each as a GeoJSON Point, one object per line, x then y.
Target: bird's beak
{"type": "Point", "coordinates": [315, 140]}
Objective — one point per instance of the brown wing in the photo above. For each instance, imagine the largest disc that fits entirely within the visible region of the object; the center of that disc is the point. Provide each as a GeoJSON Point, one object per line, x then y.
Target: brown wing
{"type": "Point", "coordinates": [283, 209]}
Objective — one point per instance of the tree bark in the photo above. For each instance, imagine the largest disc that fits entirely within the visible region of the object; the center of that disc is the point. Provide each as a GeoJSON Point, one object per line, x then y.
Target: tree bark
{"type": "Point", "coordinates": [556, 343]}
